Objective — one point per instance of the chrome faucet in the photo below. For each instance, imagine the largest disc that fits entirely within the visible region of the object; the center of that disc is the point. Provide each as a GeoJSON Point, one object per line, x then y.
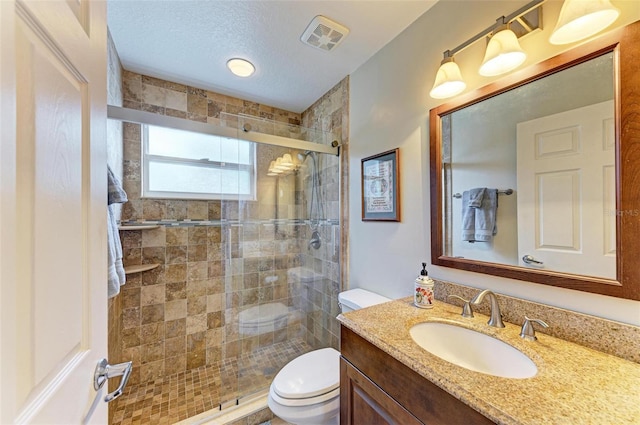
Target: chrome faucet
{"type": "Point", "coordinates": [496, 318]}
{"type": "Point", "coordinates": [467, 311]}
{"type": "Point", "coordinates": [528, 332]}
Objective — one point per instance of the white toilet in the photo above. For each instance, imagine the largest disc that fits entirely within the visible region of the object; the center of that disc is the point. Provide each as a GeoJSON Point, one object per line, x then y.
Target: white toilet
{"type": "Point", "coordinates": [307, 389]}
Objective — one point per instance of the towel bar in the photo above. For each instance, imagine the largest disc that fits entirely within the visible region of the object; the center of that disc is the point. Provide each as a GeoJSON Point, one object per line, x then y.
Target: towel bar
{"type": "Point", "coordinates": [500, 192]}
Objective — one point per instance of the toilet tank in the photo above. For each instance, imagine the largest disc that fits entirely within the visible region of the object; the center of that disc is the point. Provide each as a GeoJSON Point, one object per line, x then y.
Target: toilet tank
{"type": "Point", "coordinates": [355, 299]}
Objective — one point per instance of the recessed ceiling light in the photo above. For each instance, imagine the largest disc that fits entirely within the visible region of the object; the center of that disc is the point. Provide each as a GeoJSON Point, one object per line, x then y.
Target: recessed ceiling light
{"type": "Point", "coordinates": [241, 67]}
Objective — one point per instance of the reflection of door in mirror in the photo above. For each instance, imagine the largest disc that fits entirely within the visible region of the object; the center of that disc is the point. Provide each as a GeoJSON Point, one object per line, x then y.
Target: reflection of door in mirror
{"type": "Point", "coordinates": [566, 191]}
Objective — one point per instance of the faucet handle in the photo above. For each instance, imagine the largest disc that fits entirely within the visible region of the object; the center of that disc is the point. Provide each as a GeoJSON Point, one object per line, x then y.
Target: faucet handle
{"type": "Point", "coordinates": [467, 311]}
{"type": "Point", "coordinates": [528, 332]}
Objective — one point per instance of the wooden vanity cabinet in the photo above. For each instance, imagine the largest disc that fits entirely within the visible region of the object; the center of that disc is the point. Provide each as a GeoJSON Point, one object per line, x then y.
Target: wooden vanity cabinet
{"type": "Point", "coordinates": [363, 402]}
{"type": "Point", "coordinates": [375, 388]}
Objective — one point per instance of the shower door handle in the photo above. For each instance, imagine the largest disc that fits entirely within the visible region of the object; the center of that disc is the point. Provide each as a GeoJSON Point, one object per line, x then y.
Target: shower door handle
{"type": "Point", "coordinates": [105, 371]}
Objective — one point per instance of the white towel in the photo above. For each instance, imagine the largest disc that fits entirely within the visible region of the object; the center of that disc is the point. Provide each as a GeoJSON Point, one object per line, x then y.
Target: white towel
{"type": "Point", "coordinates": [115, 193]}
{"type": "Point", "coordinates": [115, 276]}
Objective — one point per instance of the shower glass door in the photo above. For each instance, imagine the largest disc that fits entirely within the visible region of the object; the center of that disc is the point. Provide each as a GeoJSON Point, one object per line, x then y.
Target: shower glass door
{"type": "Point", "coordinates": [282, 274]}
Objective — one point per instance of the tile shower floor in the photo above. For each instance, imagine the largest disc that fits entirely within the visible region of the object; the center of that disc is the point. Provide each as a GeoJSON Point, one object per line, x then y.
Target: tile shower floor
{"type": "Point", "coordinates": [177, 397]}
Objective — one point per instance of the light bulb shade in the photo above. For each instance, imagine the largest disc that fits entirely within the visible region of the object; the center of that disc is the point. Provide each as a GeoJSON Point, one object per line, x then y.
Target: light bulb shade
{"type": "Point", "coordinates": [240, 67]}
{"type": "Point", "coordinates": [287, 160]}
{"type": "Point", "coordinates": [580, 19]}
{"type": "Point", "coordinates": [503, 54]}
{"type": "Point", "coordinates": [279, 166]}
{"type": "Point", "coordinates": [272, 169]}
{"type": "Point", "coordinates": [448, 82]}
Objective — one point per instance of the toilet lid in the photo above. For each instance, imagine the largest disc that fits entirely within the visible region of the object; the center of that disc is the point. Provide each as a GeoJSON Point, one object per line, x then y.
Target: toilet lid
{"type": "Point", "coordinates": [309, 375]}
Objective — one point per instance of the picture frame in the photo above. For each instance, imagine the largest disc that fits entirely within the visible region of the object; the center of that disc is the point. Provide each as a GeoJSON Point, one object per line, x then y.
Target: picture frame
{"type": "Point", "coordinates": [380, 184]}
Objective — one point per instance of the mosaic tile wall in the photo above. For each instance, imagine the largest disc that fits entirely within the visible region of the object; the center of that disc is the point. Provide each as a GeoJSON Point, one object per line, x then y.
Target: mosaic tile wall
{"type": "Point", "coordinates": [185, 313]}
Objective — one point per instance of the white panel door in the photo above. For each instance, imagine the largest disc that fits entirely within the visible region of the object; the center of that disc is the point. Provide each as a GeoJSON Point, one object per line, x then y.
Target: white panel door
{"type": "Point", "coordinates": [566, 173]}
{"type": "Point", "coordinates": [53, 295]}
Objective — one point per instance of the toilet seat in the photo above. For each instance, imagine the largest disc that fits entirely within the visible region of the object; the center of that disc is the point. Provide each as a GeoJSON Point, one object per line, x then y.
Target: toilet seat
{"type": "Point", "coordinates": [293, 402]}
{"type": "Point", "coordinates": [311, 378]}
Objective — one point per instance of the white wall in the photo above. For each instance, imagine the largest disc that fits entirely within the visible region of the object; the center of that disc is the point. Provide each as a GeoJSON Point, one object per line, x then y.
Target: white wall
{"type": "Point", "coordinates": [389, 108]}
{"type": "Point", "coordinates": [484, 156]}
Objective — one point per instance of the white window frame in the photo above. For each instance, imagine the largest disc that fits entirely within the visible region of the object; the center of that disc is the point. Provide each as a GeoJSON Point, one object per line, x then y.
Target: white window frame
{"type": "Point", "coordinates": [206, 163]}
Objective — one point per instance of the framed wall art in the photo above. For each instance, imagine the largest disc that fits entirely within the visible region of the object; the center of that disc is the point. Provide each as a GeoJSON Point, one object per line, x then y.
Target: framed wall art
{"type": "Point", "coordinates": [381, 187]}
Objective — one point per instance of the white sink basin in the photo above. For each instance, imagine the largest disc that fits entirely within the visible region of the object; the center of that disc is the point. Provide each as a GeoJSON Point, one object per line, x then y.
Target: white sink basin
{"type": "Point", "coordinates": [473, 350]}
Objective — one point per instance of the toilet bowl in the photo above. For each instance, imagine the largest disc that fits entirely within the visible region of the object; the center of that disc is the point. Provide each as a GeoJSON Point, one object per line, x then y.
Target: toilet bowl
{"type": "Point", "coordinates": [306, 391]}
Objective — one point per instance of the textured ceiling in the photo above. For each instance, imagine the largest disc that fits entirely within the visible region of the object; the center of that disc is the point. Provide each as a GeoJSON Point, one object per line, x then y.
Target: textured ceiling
{"type": "Point", "coordinates": [190, 42]}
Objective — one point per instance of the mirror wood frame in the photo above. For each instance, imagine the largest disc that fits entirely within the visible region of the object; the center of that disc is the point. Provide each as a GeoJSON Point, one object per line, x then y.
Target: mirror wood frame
{"type": "Point", "coordinates": [625, 44]}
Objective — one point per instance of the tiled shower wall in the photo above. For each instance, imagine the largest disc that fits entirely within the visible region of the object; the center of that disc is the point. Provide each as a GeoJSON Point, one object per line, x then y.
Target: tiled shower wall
{"type": "Point", "coordinates": [184, 314]}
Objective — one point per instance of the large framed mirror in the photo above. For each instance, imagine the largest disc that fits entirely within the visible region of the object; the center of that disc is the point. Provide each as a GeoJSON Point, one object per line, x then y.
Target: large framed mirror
{"type": "Point", "coordinates": [536, 177]}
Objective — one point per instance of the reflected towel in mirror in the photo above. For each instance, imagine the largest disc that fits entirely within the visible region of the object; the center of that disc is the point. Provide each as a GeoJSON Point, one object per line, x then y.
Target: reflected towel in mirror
{"type": "Point", "coordinates": [479, 208]}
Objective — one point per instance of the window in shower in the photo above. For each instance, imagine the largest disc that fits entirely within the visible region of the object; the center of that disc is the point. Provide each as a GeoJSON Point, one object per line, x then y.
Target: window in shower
{"type": "Point", "coordinates": [187, 165]}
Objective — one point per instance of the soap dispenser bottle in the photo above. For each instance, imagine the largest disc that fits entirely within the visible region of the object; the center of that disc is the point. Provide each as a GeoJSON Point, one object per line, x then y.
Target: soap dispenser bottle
{"type": "Point", "coordinates": [423, 293]}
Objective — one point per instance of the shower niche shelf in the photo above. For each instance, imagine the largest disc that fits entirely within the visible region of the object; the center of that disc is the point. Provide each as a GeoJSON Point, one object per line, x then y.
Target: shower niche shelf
{"type": "Point", "coordinates": [138, 226]}
{"type": "Point", "coordinates": [139, 268]}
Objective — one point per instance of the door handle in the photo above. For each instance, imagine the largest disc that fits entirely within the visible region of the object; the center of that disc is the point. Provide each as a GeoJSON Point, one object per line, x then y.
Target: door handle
{"type": "Point", "coordinates": [105, 371]}
{"type": "Point", "coordinates": [530, 260]}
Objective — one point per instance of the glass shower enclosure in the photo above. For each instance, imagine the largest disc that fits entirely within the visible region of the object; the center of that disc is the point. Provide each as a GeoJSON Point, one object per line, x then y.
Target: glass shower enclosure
{"type": "Point", "coordinates": [246, 280]}
{"type": "Point", "coordinates": [282, 278]}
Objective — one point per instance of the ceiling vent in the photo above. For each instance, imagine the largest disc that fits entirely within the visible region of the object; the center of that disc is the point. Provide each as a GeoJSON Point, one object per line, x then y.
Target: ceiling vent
{"type": "Point", "coordinates": [324, 34]}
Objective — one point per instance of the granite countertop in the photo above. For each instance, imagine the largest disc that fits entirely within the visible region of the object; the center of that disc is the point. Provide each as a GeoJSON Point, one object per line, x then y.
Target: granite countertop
{"type": "Point", "coordinates": [574, 384]}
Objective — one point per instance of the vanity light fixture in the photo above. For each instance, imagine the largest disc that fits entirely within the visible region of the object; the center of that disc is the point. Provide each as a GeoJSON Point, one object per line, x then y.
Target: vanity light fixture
{"type": "Point", "coordinates": [580, 19]}
{"type": "Point", "coordinates": [241, 67]}
{"type": "Point", "coordinates": [449, 81]}
{"type": "Point", "coordinates": [503, 52]}
{"type": "Point", "coordinates": [283, 165]}
{"type": "Point", "coordinates": [273, 171]}
{"type": "Point", "coordinates": [280, 166]}
{"type": "Point", "coordinates": [287, 161]}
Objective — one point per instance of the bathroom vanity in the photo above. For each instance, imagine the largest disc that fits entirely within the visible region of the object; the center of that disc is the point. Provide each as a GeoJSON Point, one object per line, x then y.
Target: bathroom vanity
{"type": "Point", "coordinates": [386, 377]}
{"type": "Point", "coordinates": [375, 387]}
